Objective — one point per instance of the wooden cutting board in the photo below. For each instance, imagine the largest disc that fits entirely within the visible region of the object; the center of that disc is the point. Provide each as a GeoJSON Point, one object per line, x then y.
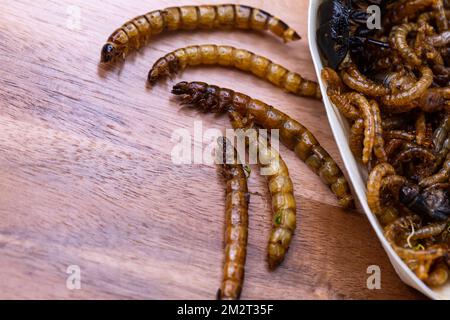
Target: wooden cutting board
{"type": "Point", "coordinates": [87, 178]}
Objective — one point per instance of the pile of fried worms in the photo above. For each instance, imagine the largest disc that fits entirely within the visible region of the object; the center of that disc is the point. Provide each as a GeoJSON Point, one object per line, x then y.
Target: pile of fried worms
{"type": "Point", "coordinates": [396, 98]}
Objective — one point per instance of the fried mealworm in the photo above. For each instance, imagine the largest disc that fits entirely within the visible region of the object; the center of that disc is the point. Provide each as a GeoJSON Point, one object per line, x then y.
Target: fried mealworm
{"type": "Point", "coordinates": [136, 32]}
{"type": "Point", "coordinates": [398, 38]}
{"type": "Point", "coordinates": [398, 100]}
{"type": "Point", "coordinates": [374, 186]}
{"type": "Point", "coordinates": [369, 123]}
{"type": "Point", "coordinates": [431, 230]}
{"type": "Point", "coordinates": [419, 260]}
{"type": "Point", "coordinates": [378, 145]}
{"type": "Point", "coordinates": [442, 176]}
{"type": "Point", "coordinates": [390, 184]}
{"type": "Point", "coordinates": [407, 9]}
{"type": "Point", "coordinates": [281, 191]}
{"type": "Point", "coordinates": [353, 78]}
{"type": "Point", "coordinates": [293, 134]}
{"type": "Point", "coordinates": [236, 221]}
{"type": "Point", "coordinates": [441, 133]}
{"type": "Point", "coordinates": [356, 138]}
{"type": "Point", "coordinates": [421, 128]}
{"type": "Point", "coordinates": [241, 59]}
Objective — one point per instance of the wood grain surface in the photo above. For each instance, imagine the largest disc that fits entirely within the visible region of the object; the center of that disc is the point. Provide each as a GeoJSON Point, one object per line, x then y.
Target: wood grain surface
{"type": "Point", "coordinates": [86, 176]}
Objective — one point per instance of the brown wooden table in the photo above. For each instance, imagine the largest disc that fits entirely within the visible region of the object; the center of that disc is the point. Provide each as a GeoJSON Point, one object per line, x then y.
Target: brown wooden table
{"type": "Point", "coordinates": [87, 179]}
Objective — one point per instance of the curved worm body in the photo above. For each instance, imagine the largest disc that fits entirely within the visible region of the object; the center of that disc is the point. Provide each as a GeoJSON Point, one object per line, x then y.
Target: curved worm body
{"type": "Point", "coordinates": [136, 32]}
{"type": "Point", "coordinates": [293, 134]}
{"type": "Point", "coordinates": [236, 220]}
{"type": "Point", "coordinates": [398, 100]}
{"type": "Point", "coordinates": [354, 79]}
{"type": "Point", "coordinates": [374, 186]}
{"type": "Point", "coordinates": [281, 191]}
{"type": "Point", "coordinates": [241, 59]}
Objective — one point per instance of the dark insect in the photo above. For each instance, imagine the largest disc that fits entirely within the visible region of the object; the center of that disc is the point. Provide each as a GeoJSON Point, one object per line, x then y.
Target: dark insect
{"type": "Point", "coordinates": [432, 202]}
{"type": "Point", "coordinates": [335, 34]}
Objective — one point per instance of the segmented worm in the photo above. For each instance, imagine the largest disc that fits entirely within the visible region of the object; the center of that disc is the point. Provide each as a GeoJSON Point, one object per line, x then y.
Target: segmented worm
{"type": "Point", "coordinates": [369, 123]}
{"type": "Point", "coordinates": [136, 32]}
{"type": "Point", "coordinates": [400, 43]}
{"type": "Point", "coordinates": [356, 138]}
{"type": "Point", "coordinates": [241, 59]}
{"type": "Point", "coordinates": [398, 100]}
{"type": "Point", "coordinates": [421, 130]}
{"type": "Point", "coordinates": [431, 230]}
{"type": "Point", "coordinates": [281, 192]}
{"type": "Point", "coordinates": [236, 221]}
{"type": "Point", "coordinates": [293, 134]}
{"type": "Point", "coordinates": [419, 260]}
{"type": "Point", "coordinates": [359, 82]}
{"type": "Point", "coordinates": [374, 186]}
{"type": "Point", "coordinates": [378, 145]}
{"type": "Point", "coordinates": [407, 9]}
{"type": "Point", "coordinates": [442, 176]}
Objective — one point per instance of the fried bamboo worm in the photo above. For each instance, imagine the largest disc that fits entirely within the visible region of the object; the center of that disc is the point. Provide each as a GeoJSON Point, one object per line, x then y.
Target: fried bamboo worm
{"type": "Point", "coordinates": [374, 186]}
{"type": "Point", "coordinates": [293, 134]}
{"type": "Point", "coordinates": [378, 145]}
{"type": "Point", "coordinates": [421, 129]}
{"type": "Point", "coordinates": [136, 32]}
{"type": "Point", "coordinates": [392, 185]}
{"type": "Point", "coordinates": [431, 230]}
{"type": "Point", "coordinates": [281, 192]}
{"type": "Point", "coordinates": [241, 59]}
{"type": "Point", "coordinates": [442, 176]}
{"type": "Point", "coordinates": [335, 89]}
{"type": "Point", "coordinates": [397, 101]}
{"type": "Point", "coordinates": [353, 78]}
{"type": "Point", "coordinates": [398, 39]}
{"type": "Point", "coordinates": [369, 123]}
{"type": "Point", "coordinates": [418, 260]}
{"type": "Point", "coordinates": [356, 138]}
{"type": "Point", "coordinates": [236, 218]}
{"type": "Point", "coordinates": [407, 9]}
{"type": "Point", "coordinates": [441, 133]}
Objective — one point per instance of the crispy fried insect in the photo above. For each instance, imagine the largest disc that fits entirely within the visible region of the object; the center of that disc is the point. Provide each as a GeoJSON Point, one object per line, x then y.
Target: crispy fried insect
{"type": "Point", "coordinates": [357, 81]}
{"type": "Point", "coordinates": [431, 202]}
{"type": "Point", "coordinates": [241, 59]}
{"type": "Point", "coordinates": [399, 134]}
{"type": "Point", "coordinates": [415, 153]}
{"type": "Point", "coordinates": [442, 176]}
{"type": "Point", "coordinates": [390, 185]}
{"type": "Point", "coordinates": [136, 32]}
{"type": "Point", "coordinates": [419, 261]}
{"type": "Point", "coordinates": [369, 123]}
{"type": "Point", "coordinates": [441, 133]}
{"type": "Point", "coordinates": [356, 138]}
{"type": "Point", "coordinates": [398, 100]}
{"type": "Point", "coordinates": [431, 230]}
{"type": "Point", "coordinates": [374, 186]}
{"type": "Point", "coordinates": [407, 9]}
{"type": "Point", "coordinates": [236, 221]}
{"type": "Point", "coordinates": [421, 129]}
{"type": "Point", "coordinates": [378, 146]}
{"type": "Point", "coordinates": [294, 135]}
{"type": "Point", "coordinates": [281, 191]}
{"type": "Point", "coordinates": [335, 87]}
{"type": "Point", "coordinates": [398, 39]}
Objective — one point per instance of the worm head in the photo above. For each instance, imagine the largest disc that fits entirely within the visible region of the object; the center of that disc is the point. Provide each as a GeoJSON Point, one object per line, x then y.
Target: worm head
{"type": "Point", "coordinates": [190, 92]}
{"type": "Point", "coordinates": [109, 52]}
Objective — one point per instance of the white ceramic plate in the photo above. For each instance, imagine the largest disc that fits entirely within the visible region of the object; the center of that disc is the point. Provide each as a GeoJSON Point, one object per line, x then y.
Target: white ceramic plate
{"type": "Point", "coordinates": [357, 173]}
